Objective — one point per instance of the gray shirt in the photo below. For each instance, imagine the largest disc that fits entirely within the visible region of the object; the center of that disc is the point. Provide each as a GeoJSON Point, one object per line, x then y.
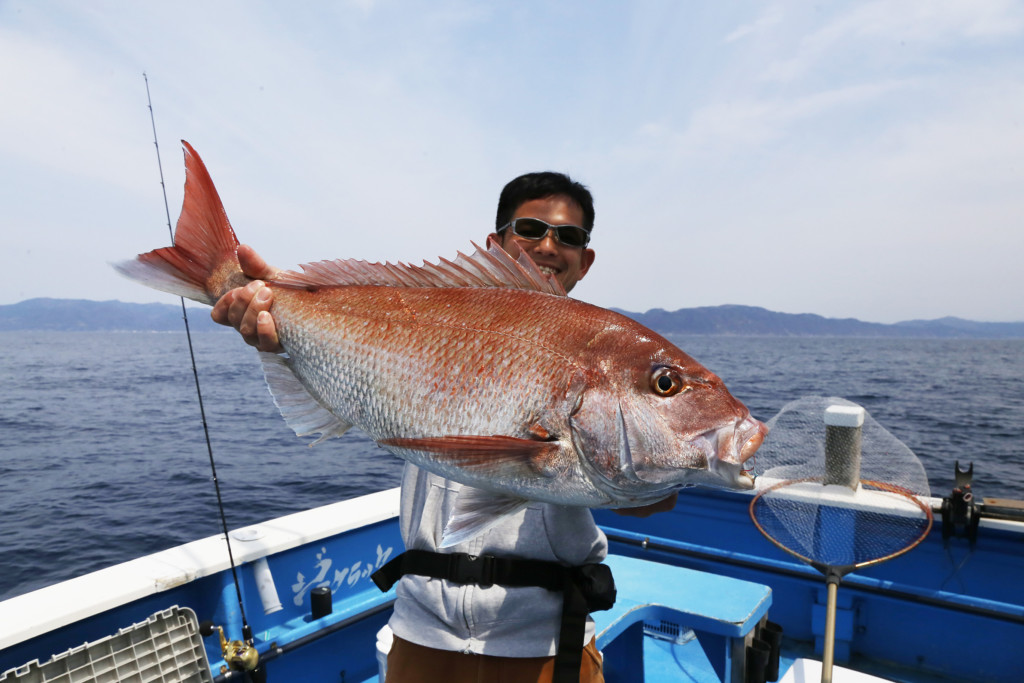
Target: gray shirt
{"type": "Point", "coordinates": [505, 622]}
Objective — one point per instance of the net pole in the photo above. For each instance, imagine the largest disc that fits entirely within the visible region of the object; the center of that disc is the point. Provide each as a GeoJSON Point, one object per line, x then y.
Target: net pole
{"type": "Point", "coordinates": [830, 630]}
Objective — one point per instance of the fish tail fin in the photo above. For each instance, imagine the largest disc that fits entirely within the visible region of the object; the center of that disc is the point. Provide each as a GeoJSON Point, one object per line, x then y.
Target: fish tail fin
{"type": "Point", "coordinates": [203, 263]}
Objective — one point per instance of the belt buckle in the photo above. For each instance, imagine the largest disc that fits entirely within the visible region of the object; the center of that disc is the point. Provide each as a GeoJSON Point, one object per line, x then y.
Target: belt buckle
{"type": "Point", "coordinates": [473, 569]}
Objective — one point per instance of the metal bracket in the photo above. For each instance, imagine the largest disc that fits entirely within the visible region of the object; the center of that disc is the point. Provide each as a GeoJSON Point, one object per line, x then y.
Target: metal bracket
{"type": "Point", "coordinates": [960, 513]}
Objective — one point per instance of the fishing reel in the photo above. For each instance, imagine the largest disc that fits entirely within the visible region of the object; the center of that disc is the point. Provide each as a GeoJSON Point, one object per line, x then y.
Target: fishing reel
{"type": "Point", "coordinates": [960, 513]}
{"type": "Point", "coordinates": [240, 655]}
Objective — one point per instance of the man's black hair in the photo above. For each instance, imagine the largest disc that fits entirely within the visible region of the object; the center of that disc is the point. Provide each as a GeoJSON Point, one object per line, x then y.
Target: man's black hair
{"type": "Point", "coordinates": [532, 186]}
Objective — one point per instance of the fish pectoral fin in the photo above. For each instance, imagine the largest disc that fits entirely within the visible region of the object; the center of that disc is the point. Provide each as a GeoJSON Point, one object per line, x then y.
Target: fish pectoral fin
{"type": "Point", "coordinates": [475, 512]}
{"type": "Point", "coordinates": [298, 407]}
{"type": "Point", "coordinates": [482, 452]}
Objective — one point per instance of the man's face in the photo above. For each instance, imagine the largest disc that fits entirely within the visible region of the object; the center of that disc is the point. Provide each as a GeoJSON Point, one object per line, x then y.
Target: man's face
{"type": "Point", "coordinates": [567, 264]}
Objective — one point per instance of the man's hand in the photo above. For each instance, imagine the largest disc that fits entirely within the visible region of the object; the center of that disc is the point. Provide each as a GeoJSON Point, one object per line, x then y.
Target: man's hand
{"type": "Point", "coordinates": [663, 505]}
{"type": "Point", "coordinates": [247, 309]}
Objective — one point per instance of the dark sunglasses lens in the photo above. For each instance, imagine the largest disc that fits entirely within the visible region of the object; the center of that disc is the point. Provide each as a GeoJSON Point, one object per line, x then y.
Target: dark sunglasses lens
{"type": "Point", "coordinates": [530, 229]}
{"type": "Point", "coordinates": [572, 236]}
{"type": "Point", "coordinates": [535, 229]}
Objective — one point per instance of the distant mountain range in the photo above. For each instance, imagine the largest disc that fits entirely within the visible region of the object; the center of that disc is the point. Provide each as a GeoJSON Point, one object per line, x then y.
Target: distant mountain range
{"type": "Point", "coordinates": [81, 315]}
{"type": "Point", "coordinates": [754, 321]}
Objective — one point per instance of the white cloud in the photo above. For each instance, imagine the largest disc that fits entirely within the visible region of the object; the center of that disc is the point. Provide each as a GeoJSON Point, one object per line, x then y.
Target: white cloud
{"type": "Point", "coordinates": [769, 19]}
{"type": "Point", "coordinates": [723, 130]}
{"type": "Point", "coordinates": [885, 36]}
{"type": "Point", "coordinates": [935, 22]}
{"type": "Point", "coordinates": [375, 131]}
{"type": "Point", "coordinates": [62, 112]}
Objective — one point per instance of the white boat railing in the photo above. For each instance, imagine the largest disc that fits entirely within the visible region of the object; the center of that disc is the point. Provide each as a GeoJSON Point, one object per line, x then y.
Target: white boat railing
{"type": "Point", "coordinates": [26, 616]}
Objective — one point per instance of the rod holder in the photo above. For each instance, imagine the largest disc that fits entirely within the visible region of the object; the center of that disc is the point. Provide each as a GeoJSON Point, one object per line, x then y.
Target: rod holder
{"type": "Point", "coordinates": [265, 586]}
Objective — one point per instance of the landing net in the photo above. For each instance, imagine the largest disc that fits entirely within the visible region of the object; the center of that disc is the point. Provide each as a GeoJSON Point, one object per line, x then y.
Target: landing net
{"type": "Point", "coordinates": [842, 511]}
{"type": "Point", "coordinates": [838, 491]}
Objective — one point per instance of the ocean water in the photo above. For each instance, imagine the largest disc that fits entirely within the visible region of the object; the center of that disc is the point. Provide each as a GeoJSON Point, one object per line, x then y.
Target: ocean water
{"type": "Point", "coordinates": [103, 459]}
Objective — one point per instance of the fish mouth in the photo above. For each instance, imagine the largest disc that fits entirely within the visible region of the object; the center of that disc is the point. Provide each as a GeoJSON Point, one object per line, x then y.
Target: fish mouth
{"type": "Point", "coordinates": [751, 434]}
{"type": "Point", "coordinates": [730, 447]}
{"type": "Point", "coordinates": [720, 453]}
{"type": "Point", "coordinates": [732, 475]}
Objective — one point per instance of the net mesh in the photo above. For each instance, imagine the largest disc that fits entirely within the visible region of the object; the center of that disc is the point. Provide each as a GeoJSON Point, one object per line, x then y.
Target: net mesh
{"type": "Point", "coordinates": [849, 503]}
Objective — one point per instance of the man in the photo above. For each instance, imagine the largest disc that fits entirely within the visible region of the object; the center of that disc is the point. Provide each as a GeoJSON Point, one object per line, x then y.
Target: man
{"type": "Point", "coordinates": [448, 631]}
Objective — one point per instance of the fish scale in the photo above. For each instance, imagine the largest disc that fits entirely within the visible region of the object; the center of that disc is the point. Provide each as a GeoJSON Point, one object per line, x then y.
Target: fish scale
{"type": "Point", "coordinates": [446, 375]}
{"type": "Point", "coordinates": [479, 369]}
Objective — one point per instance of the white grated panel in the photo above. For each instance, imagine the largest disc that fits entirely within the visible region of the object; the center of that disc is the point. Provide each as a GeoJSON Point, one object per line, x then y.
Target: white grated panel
{"type": "Point", "coordinates": [166, 648]}
{"type": "Point", "coordinates": [669, 631]}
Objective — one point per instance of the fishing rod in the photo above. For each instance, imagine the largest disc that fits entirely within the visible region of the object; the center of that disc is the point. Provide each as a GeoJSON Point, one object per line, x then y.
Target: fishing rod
{"type": "Point", "coordinates": [241, 656]}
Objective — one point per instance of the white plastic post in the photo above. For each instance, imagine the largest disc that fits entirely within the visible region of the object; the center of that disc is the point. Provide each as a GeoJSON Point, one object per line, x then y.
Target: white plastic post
{"type": "Point", "coordinates": [842, 445]}
{"type": "Point", "coordinates": [265, 585]}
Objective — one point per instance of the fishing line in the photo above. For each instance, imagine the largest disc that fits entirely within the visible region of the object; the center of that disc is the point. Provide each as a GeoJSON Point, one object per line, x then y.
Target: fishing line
{"type": "Point", "coordinates": [246, 631]}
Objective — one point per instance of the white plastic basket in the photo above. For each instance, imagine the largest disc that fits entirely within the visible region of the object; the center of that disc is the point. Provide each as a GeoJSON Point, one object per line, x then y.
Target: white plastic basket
{"type": "Point", "coordinates": [166, 647]}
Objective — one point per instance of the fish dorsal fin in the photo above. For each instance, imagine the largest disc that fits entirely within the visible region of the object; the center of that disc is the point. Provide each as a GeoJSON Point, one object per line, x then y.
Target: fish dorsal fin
{"type": "Point", "coordinates": [490, 267]}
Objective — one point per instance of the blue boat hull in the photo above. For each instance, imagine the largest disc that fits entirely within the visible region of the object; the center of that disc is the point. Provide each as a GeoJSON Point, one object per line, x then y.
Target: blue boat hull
{"type": "Point", "coordinates": [948, 610]}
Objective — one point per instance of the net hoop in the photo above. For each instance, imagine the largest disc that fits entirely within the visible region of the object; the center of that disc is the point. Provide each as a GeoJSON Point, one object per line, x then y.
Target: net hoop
{"type": "Point", "coordinates": [877, 485]}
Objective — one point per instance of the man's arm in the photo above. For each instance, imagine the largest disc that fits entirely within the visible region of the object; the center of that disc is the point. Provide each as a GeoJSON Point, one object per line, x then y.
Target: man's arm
{"type": "Point", "coordinates": [247, 309]}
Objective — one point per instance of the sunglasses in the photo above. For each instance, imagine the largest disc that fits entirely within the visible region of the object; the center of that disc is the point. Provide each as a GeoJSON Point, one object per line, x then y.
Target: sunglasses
{"type": "Point", "coordinates": [535, 229]}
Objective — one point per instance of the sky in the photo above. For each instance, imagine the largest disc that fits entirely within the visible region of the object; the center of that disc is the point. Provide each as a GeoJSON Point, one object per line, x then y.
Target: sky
{"type": "Point", "coordinates": [861, 159]}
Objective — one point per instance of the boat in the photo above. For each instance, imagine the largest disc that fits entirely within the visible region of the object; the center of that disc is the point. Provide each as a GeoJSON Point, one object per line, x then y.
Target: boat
{"type": "Point", "coordinates": [702, 596]}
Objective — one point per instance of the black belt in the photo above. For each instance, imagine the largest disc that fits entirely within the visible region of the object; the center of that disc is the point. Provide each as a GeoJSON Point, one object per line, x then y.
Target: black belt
{"type": "Point", "coordinates": [586, 588]}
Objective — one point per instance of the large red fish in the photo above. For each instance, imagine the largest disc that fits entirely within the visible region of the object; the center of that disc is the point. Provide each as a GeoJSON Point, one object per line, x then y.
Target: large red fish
{"type": "Point", "coordinates": [479, 369]}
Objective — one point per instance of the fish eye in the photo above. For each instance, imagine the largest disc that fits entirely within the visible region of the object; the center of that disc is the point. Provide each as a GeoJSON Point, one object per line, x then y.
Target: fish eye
{"type": "Point", "coordinates": [666, 382]}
